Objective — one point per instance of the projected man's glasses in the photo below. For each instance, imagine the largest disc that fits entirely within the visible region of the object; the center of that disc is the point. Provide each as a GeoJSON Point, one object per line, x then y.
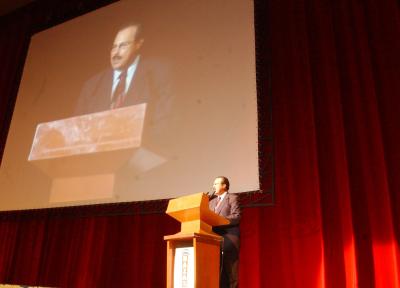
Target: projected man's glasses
{"type": "Point", "coordinates": [123, 45]}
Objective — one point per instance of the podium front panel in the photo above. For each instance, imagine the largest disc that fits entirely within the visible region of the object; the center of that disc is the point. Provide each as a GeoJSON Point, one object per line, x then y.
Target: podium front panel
{"type": "Point", "coordinates": [184, 267]}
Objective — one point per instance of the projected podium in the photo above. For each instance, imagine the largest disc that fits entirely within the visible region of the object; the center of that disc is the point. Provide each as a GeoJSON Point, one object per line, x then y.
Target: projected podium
{"type": "Point", "coordinates": [193, 254]}
{"type": "Point", "coordinates": [82, 154]}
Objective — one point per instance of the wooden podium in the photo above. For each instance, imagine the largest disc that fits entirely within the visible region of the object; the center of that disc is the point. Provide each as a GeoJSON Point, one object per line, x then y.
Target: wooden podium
{"type": "Point", "coordinates": [199, 267]}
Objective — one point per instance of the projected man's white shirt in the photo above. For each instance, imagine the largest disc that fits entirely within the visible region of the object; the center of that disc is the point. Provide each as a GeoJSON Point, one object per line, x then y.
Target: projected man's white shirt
{"type": "Point", "coordinates": [129, 76]}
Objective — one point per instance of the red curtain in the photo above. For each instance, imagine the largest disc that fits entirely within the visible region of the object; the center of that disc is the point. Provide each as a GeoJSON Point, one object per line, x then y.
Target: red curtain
{"type": "Point", "coordinates": [70, 251]}
{"type": "Point", "coordinates": [335, 87]}
{"type": "Point", "coordinates": [335, 80]}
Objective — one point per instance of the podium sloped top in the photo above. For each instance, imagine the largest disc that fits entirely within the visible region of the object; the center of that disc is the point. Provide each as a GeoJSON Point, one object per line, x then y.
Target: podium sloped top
{"type": "Point", "coordinates": [194, 207]}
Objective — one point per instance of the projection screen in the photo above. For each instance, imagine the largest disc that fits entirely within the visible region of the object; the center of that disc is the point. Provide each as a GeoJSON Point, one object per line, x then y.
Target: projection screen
{"type": "Point", "coordinates": [139, 100]}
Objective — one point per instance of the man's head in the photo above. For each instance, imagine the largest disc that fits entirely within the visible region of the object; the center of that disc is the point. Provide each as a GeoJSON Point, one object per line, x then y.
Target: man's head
{"type": "Point", "coordinates": [221, 185]}
{"type": "Point", "coordinates": [126, 45]}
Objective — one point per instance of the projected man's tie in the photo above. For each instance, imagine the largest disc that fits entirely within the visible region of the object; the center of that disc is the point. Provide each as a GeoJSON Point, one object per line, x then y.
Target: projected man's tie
{"type": "Point", "coordinates": [119, 93]}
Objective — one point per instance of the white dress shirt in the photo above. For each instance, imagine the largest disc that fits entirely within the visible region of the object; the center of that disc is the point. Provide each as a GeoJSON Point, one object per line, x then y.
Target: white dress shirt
{"type": "Point", "coordinates": [129, 76]}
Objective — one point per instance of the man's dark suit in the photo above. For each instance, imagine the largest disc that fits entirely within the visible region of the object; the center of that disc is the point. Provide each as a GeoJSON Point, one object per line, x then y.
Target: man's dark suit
{"type": "Point", "coordinates": [148, 83]}
{"type": "Point", "coordinates": [230, 209]}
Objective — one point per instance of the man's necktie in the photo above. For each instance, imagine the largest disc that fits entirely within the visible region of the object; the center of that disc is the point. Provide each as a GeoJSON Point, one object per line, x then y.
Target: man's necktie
{"type": "Point", "coordinates": [218, 203]}
{"type": "Point", "coordinates": [119, 93]}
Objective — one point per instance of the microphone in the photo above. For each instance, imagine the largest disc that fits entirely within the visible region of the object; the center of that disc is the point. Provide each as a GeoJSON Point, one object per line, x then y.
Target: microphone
{"type": "Point", "coordinates": [211, 193]}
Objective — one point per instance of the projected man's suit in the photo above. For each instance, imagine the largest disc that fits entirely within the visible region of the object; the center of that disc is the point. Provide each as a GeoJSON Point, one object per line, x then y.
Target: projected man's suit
{"type": "Point", "coordinates": [97, 94]}
{"type": "Point", "coordinates": [129, 81]}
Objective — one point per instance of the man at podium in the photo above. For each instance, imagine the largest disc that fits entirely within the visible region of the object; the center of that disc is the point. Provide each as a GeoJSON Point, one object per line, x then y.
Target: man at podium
{"type": "Point", "coordinates": [227, 205]}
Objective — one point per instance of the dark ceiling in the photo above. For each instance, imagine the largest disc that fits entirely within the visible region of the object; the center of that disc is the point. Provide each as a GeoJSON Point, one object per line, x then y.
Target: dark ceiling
{"type": "Point", "coordinates": [7, 6]}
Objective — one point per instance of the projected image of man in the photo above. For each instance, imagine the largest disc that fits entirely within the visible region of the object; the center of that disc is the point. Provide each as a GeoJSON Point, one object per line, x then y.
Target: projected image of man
{"type": "Point", "coordinates": [126, 82]}
{"type": "Point", "coordinates": [124, 61]}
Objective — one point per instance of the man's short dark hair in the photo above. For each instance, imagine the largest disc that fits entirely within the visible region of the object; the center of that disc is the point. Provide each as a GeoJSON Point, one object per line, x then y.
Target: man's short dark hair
{"type": "Point", "coordinates": [224, 181]}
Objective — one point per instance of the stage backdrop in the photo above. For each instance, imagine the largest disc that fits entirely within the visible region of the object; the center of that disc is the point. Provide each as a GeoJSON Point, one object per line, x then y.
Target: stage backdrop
{"type": "Point", "coordinates": [335, 83]}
